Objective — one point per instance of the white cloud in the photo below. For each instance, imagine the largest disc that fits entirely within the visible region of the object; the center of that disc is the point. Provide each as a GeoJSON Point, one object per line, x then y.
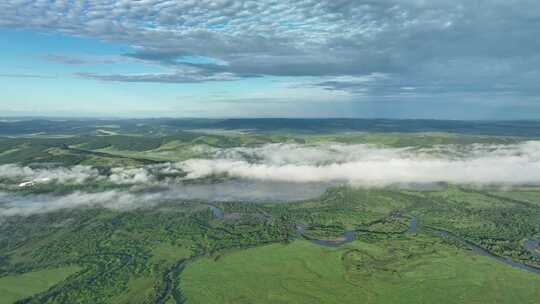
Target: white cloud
{"type": "Point", "coordinates": [281, 172]}
{"type": "Point", "coordinates": [138, 197]}
{"type": "Point", "coordinates": [131, 176]}
{"type": "Point", "coordinates": [367, 165]}
{"type": "Point", "coordinates": [27, 205]}
{"type": "Point", "coordinates": [76, 174]}
{"type": "Point", "coordinates": [79, 174]}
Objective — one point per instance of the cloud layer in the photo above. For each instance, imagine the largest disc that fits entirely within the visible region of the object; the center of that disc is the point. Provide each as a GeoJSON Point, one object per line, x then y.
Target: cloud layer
{"type": "Point", "coordinates": [273, 173]}
{"type": "Point", "coordinates": [358, 164]}
{"type": "Point", "coordinates": [76, 174]}
{"type": "Point", "coordinates": [366, 165]}
{"type": "Point", "coordinates": [142, 197]}
{"type": "Point", "coordinates": [447, 49]}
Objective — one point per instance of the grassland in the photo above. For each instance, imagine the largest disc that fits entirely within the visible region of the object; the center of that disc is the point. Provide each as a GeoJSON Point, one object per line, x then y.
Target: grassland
{"type": "Point", "coordinates": [420, 270]}
{"type": "Point", "coordinates": [17, 287]}
{"type": "Point", "coordinates": [135, 149]}
{"type": "Point", "coordinates": [178, 251]}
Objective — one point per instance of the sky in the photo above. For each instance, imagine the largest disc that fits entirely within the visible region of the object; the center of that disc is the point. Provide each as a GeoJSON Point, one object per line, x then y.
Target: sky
{"type": "Point", "coordinates": [440, 59]}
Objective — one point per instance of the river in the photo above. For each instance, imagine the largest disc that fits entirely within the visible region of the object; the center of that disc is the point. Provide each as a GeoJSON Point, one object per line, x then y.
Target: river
{"type": "Point", "coordinates": [532, 246]}
{"type": "Point", "coordinates": [483, 252]}
{"type": "Point", "coordinates": [218, 213]}
{"type": "Point", "coordinates": [350, 235]}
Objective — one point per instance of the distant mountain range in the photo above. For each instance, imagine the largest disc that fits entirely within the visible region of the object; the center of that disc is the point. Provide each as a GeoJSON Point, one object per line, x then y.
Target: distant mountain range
{"type": "Point", "coordinates": [162, 126]}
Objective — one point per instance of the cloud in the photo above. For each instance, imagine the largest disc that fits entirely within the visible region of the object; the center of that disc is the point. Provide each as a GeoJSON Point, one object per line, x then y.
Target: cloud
{"type": "Point", "coordinates": [357, 164]}
{"type": "Point", "coordinates": [480, 49]}
{"type": "Point", "coordinates": [79, 174]}
{"type": "Point", "coordinates": [178, 77]}
{"type": "Point", "coordinates": [78, 60]}
{"type": "Point", "coordinates": [142, 197]}
{"type": "Point", "coordinates": [26, 76]}
{"type": "Point", "coordinates": [131, 176]}
{"type": "Point", "coordinates": [365, 165]}
{"type": "Point", "coordinates": [27, 205]}
{"type": "Point", "coordinates": [76, 174]}
{"type": "Point", "coordinates": [297, 171]}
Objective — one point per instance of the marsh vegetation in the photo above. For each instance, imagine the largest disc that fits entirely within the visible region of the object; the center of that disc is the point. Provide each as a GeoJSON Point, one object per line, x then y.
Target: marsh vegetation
{"type": "Point", "coordinates": [171, 218]}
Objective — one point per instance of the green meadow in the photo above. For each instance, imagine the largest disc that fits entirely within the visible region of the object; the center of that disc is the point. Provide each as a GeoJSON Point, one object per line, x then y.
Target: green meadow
{"type": "Point", "coordinates": [420, 270]}
{"type": "Point", "coordinates": [17, 287]}
{"type": "Point", "coordinates": [140, 241]}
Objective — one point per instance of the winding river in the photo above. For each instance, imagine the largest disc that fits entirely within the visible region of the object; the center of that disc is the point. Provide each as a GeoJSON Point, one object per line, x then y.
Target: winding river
{"type": "Point", "coordinates": [347, 237]}
{"type": "Point", "coordinates": [350, 235]}
{"type": "Point", "coordinates": [483, 252]}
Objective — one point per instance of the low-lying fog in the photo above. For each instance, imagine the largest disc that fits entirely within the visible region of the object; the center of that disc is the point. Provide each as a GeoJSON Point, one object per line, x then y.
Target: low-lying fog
{"type": "Point", "coordinates": [274, 172]}
{"type": "Point", "coordinates": [136, 197]}
{"type": "Point", "coordinates": [365, 165]}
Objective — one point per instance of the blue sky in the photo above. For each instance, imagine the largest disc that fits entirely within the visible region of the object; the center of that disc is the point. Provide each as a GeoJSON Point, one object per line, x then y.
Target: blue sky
{"type": "Point", "coordinates": [301, 58]}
